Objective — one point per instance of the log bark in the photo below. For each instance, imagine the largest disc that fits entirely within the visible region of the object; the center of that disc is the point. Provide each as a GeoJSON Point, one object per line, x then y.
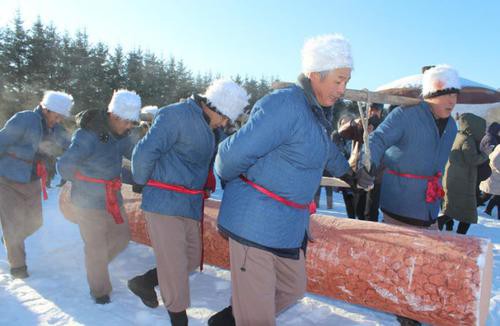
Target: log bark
{"type": "Point", "coordinates": [434, 277]}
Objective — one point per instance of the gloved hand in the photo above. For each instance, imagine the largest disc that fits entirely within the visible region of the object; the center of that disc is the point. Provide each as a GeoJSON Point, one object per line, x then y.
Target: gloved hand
{"type": "Point", "coordinates": [365, 179]}
{"type": "Point", "coordinates": [349, 178]}
{"type": "Point", "coordinates": [137, 188]}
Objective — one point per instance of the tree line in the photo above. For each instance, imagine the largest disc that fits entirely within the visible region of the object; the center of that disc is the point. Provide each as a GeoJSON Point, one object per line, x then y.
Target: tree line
{"type": "Point", "coordinates": [39, 58]}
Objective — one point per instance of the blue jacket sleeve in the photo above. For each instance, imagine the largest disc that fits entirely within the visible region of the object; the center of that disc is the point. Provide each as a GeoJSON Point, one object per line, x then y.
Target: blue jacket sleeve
{"type": "Point", "coordinates": [12, 132]}
{"type": "Point", "coordinates": [337, 164]}
{"type": "Point", "coordinates": [79, 150]}
{"type": "Point", "coordinates": [387, 134]}
{"type": "Point", "coordinates": [269, 125]}
{"type": "Point", "coordinates": [160, 138]}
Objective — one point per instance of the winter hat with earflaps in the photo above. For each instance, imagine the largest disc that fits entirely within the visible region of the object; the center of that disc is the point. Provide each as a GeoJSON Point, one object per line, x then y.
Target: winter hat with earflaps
{"type": "Point", "coordinates": [227, 98]}
{"type": "Point", "coordinates": [326, 52]}
{"type": "Point", "coordinates": [126, 105]}
{"type": "Point", "coordinates": [440, 80]}
{"type": "Point", "coordinates": [58, 102]}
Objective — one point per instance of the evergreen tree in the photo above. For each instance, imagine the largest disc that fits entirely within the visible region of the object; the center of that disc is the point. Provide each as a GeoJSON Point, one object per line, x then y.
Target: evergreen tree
{"type": "Point", "coordinates": [135, 71]}
{"type": "Point", "coordinates": [184, 86]}
{"type": "Point", "coordinates": [13, 56]}
{"type": "Point", "coordinates": [43, 45]}
{"type": "Point", "coordinates": [37, 59]}
{"type": "Point", "coordinates": [63, 64]}
{"type": "Point", "coordinates": [152, 91]}
{"type": "Point", "coordinates": [81, 72]}
{"type": "Point", "coordinates": [170, 80]}
{"type": "Point", "coordinates": [15, 94]}
{"type": "Point", "coordinates": [115, 70]}
{"type": "Point", "coordinates": [97, 86]}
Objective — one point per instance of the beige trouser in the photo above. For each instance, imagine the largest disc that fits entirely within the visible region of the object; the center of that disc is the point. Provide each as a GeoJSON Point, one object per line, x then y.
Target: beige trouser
{"type": "Point", "coordinates": [103, 241]}
{"type": "Point", "coordinates": [389, 220]}
{"type": "Point", "coordinates": [177, 246]}
{"type": "Point", "coordinates": [263, 284]}
{"type": "Point", "coordinates": [20, 216]}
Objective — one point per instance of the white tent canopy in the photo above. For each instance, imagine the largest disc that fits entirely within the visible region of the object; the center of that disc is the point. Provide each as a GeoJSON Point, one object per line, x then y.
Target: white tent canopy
{"type": "Point", "coordinates": [489, 111]}
{"type": "Point", "coordinates": [415, 81]}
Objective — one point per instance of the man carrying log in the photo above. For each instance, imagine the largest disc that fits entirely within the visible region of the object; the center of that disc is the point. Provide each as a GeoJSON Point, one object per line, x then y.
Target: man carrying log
{"type": "Point", "coordinates": [93, 164]}
{"type": "Point", "coordinates": [173, 162]}
{"type": "Point", "coordinates": [414, 143]}
{"type": "Point", "coordinates": [272, 168]}
{"type": "Point", "coordinates": [23, 174]}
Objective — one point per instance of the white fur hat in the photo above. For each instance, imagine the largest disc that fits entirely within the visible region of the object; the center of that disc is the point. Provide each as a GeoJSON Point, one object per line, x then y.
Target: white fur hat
{"type": "Point", "coordinates": [440, 80]}
{"type": "Point", "coordinates": [326, 52]}
{"type": "Point", "coordinates": [227, 97]}
{"type": "Point", "coordinates": [58, 102]}
{"type": "Point", "coordinates": [125, 104]}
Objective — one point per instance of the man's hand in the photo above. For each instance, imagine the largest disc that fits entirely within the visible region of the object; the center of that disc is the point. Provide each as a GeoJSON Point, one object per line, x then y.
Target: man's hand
{"type": "Point", "coordinates": [349, 178]}
{"type": "Point", "coordinates": [364, 179]}
{"type": "Point", "coordinates": [137, 188]}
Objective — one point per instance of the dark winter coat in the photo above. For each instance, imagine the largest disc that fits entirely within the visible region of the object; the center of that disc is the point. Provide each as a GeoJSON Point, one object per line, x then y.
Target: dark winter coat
{"type": "Point", "coordinates": [491, 138]}
{"type": "Point", "coordinates": [460, 178]}
{"type": "Point", "coordinates": [20, 141]}
{"type": "Point", "coordinates": [95, 152]}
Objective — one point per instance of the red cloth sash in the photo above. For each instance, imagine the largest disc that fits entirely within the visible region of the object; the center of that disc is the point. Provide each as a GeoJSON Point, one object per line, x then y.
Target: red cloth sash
{"type": "Point", "coordinates": [41, 172]}
{"type": "Point", "coordinates": [311, 206]}
{"type": "Point", "coordinates": [112, 188]}
{"type": "Point", "coordinates": [434, 189]}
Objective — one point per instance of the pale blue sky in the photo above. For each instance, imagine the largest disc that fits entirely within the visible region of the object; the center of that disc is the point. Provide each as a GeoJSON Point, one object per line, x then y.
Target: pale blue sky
{"type": "Point", "coordinates": [390, 39]}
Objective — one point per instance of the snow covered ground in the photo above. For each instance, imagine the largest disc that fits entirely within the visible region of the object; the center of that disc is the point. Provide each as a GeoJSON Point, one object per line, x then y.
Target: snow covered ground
{"type": "Point", "coordinates": [56, 293]}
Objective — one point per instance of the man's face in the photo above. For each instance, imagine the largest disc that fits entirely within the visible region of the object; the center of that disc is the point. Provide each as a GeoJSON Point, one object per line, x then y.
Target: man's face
{"type": "Point", "coordinates": [443, 105]}
{"type": "Point", "coordinates": [52, 118]}
{"type": "Point", "coordinates": [332, 87]}
{"type": "Point", "coordinates": [216, 120]}
{"type": "Point", "coordinates": [372, 112]}
{"type": "Point", "coordinates": [120, 126]}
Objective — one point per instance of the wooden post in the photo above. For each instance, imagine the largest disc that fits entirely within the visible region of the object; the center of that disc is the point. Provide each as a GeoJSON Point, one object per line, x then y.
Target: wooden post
{"type": "Point", "coordinates": [365, 96]}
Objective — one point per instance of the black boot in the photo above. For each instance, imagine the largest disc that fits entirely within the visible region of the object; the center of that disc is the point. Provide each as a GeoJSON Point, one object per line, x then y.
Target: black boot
{"type": "Point", "coordinates": [103, 300]}
{"type": "Point", "coordinates": [19, 272]}
{"type": "Point", "coordinates": [445, 220]}
{"type": "Point", "coordinates": [143, 286]}
{"type": "Point", "coordinates": [222, 318]}
{"type": "Point", "coordinates": [178, 318]}
{"type": "Point", "coordinates": [403, 321]}
{"type": "Point", "coordinates": [449, 225]}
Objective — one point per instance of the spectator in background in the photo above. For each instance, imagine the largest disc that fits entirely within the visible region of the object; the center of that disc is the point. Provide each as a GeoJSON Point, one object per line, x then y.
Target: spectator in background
{"type": "Point", "coordinates": [376, 110]}
{"type": "Point", "coordinates": [490, 140]}
{"type": "Point", "coordinates": [460, 177]}
{"type": "Point", "coordinates": [492, 185]}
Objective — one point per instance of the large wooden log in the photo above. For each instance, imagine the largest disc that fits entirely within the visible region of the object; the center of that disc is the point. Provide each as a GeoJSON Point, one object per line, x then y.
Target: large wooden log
{"type": "Point", "coordinates": [366, 96]}
{"type": "Point", "coordinates": [334, 182]}
{"type": "Point", "coordinates": [378, 97]}
{"type": "Point", "coordinates": [434, 277]}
